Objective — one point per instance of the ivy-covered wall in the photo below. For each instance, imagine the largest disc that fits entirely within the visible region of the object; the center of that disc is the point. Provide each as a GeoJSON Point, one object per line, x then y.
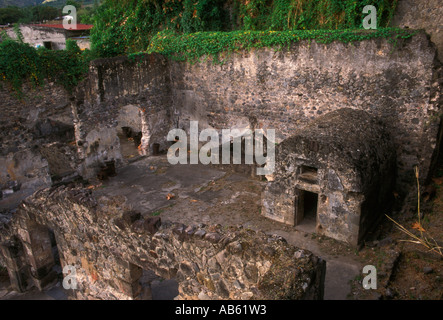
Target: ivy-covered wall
{"type": "Point", "coordinates": [128, 26]}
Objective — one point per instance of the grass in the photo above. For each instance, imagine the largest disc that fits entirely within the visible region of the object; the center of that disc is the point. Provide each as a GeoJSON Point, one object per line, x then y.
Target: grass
{"type": "Point", "coordinates": [424, 239]}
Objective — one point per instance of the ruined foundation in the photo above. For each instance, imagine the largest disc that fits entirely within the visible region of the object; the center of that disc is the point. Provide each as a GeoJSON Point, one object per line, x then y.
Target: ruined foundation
{"type": "Point", "coordinates": [352, 122]}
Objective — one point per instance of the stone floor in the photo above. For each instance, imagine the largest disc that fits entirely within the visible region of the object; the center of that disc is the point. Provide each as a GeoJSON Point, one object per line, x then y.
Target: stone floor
{"type": "Point", "coordinates": [194, 194]}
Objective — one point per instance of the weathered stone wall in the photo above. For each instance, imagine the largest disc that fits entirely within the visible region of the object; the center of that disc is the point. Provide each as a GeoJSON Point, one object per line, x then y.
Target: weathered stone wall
{"type": "Point", "coordinates": [282, 90]}
{"type": "Point", "coordinates": [111, 246]}
{"type": "Point", "coordinates": [103, 98]}
{"type": "Point", "coordinates": [285, 90]}
{"type": "Point", "coordinates": [417, 14]}
{"type": "Point", "coordinates": [28, 124]}
{"type": "Point", "coordinates": [35, 35]}
{"type": "Point", "coordinates": [354, 160]}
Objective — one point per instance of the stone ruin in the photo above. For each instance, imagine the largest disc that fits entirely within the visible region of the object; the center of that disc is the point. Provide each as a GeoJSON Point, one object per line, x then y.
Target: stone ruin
{"type": "Point", "coordinates": [338, 169]}
{"type": "Point", "coordinates": [352, 122]}
{"type": "Point", "coordinates": [113, 249]}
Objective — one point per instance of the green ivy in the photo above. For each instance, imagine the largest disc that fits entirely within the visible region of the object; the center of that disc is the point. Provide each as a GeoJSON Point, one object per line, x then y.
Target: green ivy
{"type": "Point", "coordinates": [20, 63]}
{"type": "Point", "coordinates": [189, 29]}
{"type": "Point", "coordinates": [126, 26]}
{"type": "Point", "coordinates": [218, 44]}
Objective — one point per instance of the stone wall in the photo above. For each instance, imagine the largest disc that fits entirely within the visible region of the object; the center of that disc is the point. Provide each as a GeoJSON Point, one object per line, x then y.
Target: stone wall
{"type": "Point", "coordinates": [35, 35]}
{"type": "Point", "coordinates": [285, 90]}
{"type": "Point", "coordinates": [417, 14]}
{"type": "Point", "coordinates": [102, 102]}
{"type": "Point", "coordinates": [110, 247]}
{"type": "Point", "coordinates": [29, 124]}
{"type": "Point", "coordinates": [281, 90]}
{"type": "Point", "coordinates": [347, 159]}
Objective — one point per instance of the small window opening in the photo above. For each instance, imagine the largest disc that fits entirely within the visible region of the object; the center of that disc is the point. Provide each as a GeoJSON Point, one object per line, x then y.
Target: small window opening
{"type": "Point", "coordinates": [308, 174]}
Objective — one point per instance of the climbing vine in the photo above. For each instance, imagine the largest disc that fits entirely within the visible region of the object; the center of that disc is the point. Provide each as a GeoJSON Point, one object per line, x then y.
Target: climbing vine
{"type": "Point", "coordinates": [190, 29]}
{"type": "Point", "coordinates": [127, 26]}
{"type": "Point", "coordinates": [219, 44]}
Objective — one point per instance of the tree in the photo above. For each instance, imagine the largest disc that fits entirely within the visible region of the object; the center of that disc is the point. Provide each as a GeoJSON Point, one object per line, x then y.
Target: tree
{"type": "Point", "coordinates": [41, 13]}
{"type": "Point", "coordinates": [86, 15]}
{"type": "Point", "coordinates": [10, 15]}
{"type": "Point", "coordinates": [76, 4]}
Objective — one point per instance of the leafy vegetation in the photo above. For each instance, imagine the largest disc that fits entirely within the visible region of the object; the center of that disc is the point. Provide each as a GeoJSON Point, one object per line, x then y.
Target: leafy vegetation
{"type": "Point", "coordinates": [28, 14]}
{"type": "Point", "coordinates": [187, 29]}
{"type": "Point", "coordinates": [127, 26]}
{"type": "Point", "coordinates": [21, 63]}
{"type": "Point", "coordinates": [213, 44]}
{"type": "Point", "coordinates": [40, 13]}
{"type": "Point", "coordinates": [19, 3]}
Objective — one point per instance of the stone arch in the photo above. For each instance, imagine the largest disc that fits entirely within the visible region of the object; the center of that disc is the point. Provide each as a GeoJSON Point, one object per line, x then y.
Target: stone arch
{"type": "Point", "coordinates": [37, 245]}
{"type": "Point", "coordinates": [12, 254]}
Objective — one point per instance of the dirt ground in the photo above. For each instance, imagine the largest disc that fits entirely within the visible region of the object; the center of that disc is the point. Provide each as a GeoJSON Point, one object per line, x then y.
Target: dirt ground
{"type": "Point", "coordinates": [416, 272]}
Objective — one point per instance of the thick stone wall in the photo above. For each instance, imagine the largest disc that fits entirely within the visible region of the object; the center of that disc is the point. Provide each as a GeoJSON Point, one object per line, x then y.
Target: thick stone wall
{"type": "Point", "coordinates": [347, 159]}
{"type": "Point", "coordinates": [284, 90]}
{"type": "Point", "coordinates": [281, 90]}
{"type": "Point", "coordinates": [417, 14]}
{"type": "Point", "coordinates": [110, 247]}
{"type": "Point", "coordinates": [102, 99]}
{"type": "Point", "coordinates": [29, 124]}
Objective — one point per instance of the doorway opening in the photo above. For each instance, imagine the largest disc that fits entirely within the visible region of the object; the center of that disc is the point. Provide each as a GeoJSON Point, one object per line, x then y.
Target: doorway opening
{"type": "Point", "coordinates": [155, 287]}
{"type": "Point", "coordinates": [129, 142]}
{"type": "Point", "coordinates": [306, 211]}
{"type": "Point", "coordinates": [47, 45]}
{"type": "Point", "coordinates": [310, 205]}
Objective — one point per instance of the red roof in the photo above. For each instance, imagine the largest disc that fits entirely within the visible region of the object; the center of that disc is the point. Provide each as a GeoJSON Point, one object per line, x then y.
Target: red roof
{"type": "Point", "coordinates": [60, 26]}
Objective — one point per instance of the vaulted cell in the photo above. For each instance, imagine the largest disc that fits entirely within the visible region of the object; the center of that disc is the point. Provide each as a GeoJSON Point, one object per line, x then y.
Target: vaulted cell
{"type": "Point", "coordinates": [336, 173]}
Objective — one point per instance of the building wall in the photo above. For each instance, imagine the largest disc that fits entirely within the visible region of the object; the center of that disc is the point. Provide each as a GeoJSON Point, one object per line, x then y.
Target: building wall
{"type": "Point", "coordinates": [417, 14]}
{"type": "Point", "coordinates": [37, 36]}
{"type": "Point", "coordinates": [109, 247]}
{"type": "Point", "coordinates": [83, 44]}
{"type": "Point", "coordinates": [284, 90]}
{"type": "Point", "coordinates": [355, 161]}
{"type": "Point", "coordinates": [112, 86]}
